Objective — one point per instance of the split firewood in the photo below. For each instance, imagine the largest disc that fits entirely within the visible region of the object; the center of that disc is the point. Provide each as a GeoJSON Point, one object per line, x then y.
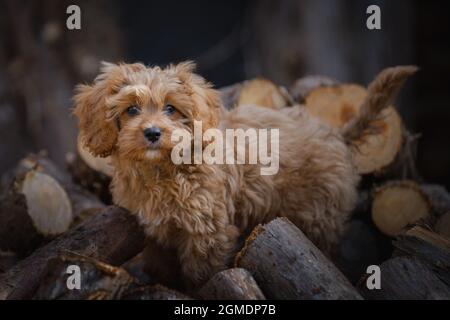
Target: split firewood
{"type": "Point", "coordinates": [442, 226]}
{"type": "Point", "coordinates": [386, 143]}
{"type": "Point", "coordinates": [231, 284]}
{"type": "Point", "coordinates": [287, 265]}
{"type": "Point", "coordinates": [258, 91]}
{"type": "Point", "coordinates": [438, 196]}
{"type": "Point", "coordinates": [34, 209]}
{"type": "Point", "coordinates": [405, 278]}
{"type": "Point", "coordinates": [113, 236]}
{"type": "Point", "coordinates": [397, 204]}
{"type": "Point", "coordinates": [83, 202]}
{"type": "Point", "coordinates": [96, 280]}
{"type": "Point", "coordinates": [426, 245]}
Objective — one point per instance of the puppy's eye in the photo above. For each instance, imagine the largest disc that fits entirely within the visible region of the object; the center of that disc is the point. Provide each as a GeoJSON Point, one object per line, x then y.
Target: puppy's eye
{"type": "Point", "coordinates": [132, 111]}
{"type": "Point", "coordinates": [169, 109]}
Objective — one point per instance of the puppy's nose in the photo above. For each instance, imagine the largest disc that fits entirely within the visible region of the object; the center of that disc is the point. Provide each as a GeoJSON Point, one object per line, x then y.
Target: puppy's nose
{"type": "Point", "coordinates": [152, 134]}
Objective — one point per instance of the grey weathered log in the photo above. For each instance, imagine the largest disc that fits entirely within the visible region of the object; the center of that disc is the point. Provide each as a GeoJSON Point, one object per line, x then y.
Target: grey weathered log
{"type": "Point", "coordinates": [33, 210]}
{"type": "Point", "coordinates": [287, 265]}
{"type": "Point", "coordinates": [98, 280]}
{"type": "Point", "coordinates": [113, 236]}
{"type": "Point", "coordinates": [426, 245]}
{"type": "Point", "coordinates": [232, 284]}
{"type": "Point", "coordinates": [407, 278]}
{"type": "Point", "coordinates": [155, 292]}
{"type": "Point", "coordinates": [439, 197]}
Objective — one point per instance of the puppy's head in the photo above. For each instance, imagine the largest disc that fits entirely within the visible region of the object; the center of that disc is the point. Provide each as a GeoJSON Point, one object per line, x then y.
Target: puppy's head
{"type": "Point", "coordinates": [131, 110]}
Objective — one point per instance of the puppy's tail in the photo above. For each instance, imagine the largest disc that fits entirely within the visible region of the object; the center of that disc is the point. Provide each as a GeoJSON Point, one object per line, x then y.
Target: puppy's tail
{"type": "Point", "coordinates": [380, 94]}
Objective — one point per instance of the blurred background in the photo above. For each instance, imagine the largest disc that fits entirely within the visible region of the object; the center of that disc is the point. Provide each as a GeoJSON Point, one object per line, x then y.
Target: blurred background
{"type": "Point", "coordinates": [41, 60]}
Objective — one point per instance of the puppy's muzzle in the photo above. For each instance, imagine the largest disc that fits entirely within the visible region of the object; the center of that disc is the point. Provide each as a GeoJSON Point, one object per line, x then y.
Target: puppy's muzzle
{"type": "Point", "coordinates": [152, 134]}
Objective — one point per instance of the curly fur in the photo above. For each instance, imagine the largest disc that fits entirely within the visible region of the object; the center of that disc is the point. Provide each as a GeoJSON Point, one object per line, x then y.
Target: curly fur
{"type": "Point", "coordinates": [199, 211]}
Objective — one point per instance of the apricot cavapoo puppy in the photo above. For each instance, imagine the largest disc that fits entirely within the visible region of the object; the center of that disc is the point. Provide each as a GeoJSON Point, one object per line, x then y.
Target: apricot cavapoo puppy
{"type": "Point", "coordinates": [199, 211]}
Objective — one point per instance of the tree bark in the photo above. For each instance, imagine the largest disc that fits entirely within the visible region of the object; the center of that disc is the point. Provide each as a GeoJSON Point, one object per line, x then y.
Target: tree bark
{"type": "Point", "coordinates": [98, 280]}
{"type": "Point", "coordinates": [232, 284]}
{"type": "Point", "coordinates": [112, 236]}
{"type": "Point", "coordinates": [404, 278]}
{"type": "Point", "coordinates": [287, 265]}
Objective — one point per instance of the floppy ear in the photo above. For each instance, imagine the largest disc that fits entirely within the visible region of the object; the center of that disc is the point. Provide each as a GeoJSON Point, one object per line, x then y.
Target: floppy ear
{"type": "Point", "coordinates": [206, 100]}
{"type": "Point", "coordinates": [98, 132]}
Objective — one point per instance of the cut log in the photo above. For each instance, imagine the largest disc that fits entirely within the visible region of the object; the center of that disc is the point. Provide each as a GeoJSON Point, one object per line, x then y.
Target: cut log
{"type": "Point", "coordinates": [155, 292]}
{"type": "Point", "coordinates": [287, 265]}
{"type": "Point", "coordinates": [426, 245]}
{"type": "Point", "coordinates": [36, 208]}
{"type": "Point", "coordinates": [301, 88]}
{"type": "Point", "coordinates": [398, 204]}
{"type": "Point", "coordinates": [438, 196]}
{"type": "Point", "coordinates": [83, 202]}
{"type": "Point", "coordinates": [231, 284]}
{"type": "Point", "coordinates": [265, 93]}
{"type": "Point", "coordinates": [442, 226]}
{"type": "Point", "coordinates": [113, 236]}
{"type": "Point", "coordinates": [337, 105]}
{"type": "Point", "coordinates": [407, 278]}
{"type": "Point", "coordinates": [259, 91]}
{"type": "Point", "coordinates": [97, 280]}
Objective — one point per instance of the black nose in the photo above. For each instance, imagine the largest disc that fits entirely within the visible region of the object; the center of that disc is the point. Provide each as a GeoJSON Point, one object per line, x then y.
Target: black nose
{"type": "Point", "coordinates": [152, 134]}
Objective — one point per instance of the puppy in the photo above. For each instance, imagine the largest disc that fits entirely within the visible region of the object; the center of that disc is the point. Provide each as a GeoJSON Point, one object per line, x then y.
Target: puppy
{"type": "Point", "coordinates": [199, 210]}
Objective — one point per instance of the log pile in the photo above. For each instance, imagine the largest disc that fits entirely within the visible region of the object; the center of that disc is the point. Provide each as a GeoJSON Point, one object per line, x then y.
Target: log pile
{"type": "Point", "coordinates": [56, 221]}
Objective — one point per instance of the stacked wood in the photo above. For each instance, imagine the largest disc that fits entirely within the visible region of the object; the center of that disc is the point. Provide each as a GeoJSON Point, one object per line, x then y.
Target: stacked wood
{"type": "Point", "coordinates": [397, 204]}
{"type": "Point", "coordinates": [96, 280]}
{"type": "Point", "coordinates": [426, 245]}
{"type": "Point", "coordinates": [419, 270]}
{"type": "Point", "coordinates": [259, 91]}
{"type": "Point", "coordinates": [35, 208]}
{"type": "Point", "coordinates": [112, 236]}
{"type": "Point", "coordinates": [287, 265]}
{"type": "Point", "coordinates": [407, 278]}
{"type": "Point", "coordinates": [39, 202]}
{"type": "Point", "coordinates": [232, 284]}
{"type": "Point", "coordinates": [387, 148]}
{"type": "Point", "coordinates": [83, 202]}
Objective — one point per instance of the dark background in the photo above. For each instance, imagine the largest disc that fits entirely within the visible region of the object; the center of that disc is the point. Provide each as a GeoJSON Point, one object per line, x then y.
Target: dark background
{"type": "Point", "coordinates": [41, 61]}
